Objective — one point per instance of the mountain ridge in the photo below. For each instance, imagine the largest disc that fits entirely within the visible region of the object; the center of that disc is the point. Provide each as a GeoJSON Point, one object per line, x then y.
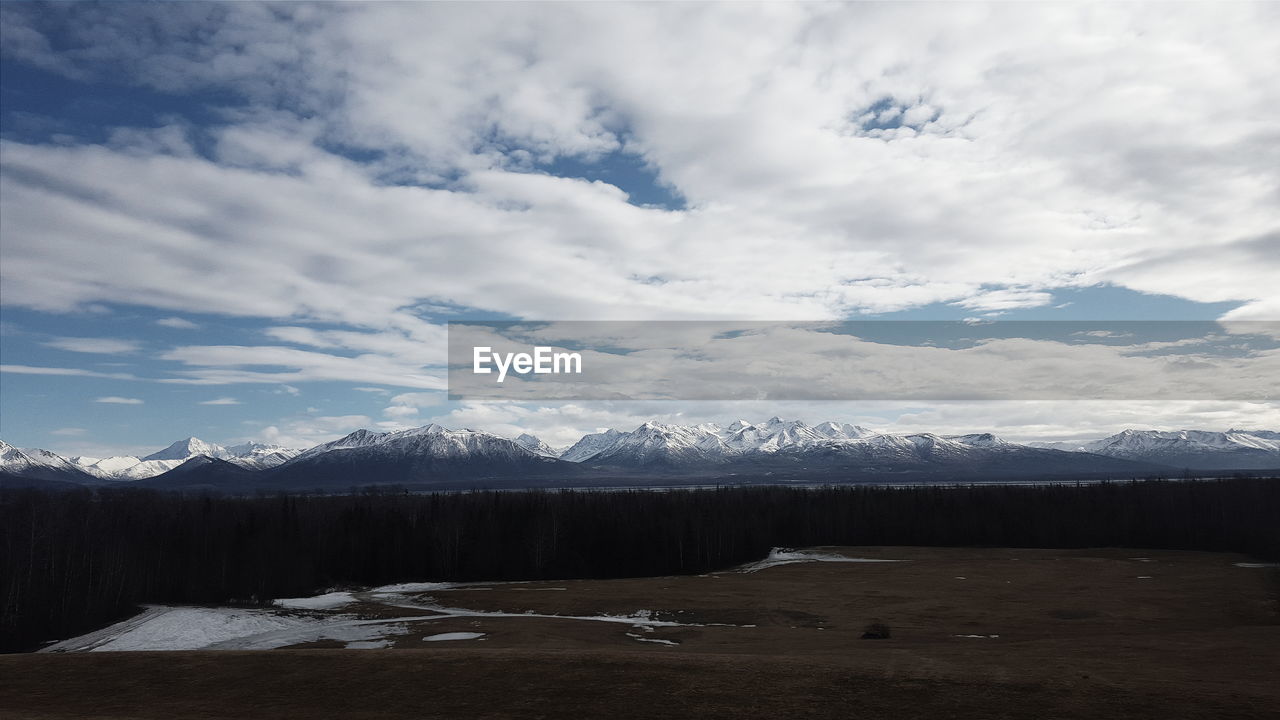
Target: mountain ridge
{"type": "Point", "coordinates": [434, 455]}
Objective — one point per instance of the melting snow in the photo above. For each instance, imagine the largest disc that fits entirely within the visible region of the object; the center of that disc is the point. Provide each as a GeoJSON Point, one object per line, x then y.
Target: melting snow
{"type": "Point", "coordinates": [652, 640]}
{"type": "Point", "coordinates": [199, 628]}
{"type": "Point", "coordinates": [454, 636]}
{"type": "Point", "coordinates": [368, 644]}
{"type": "Point", "coordinates": [327, 601]}
{"type": "Point", "coordinates": [786, 556]}
{"type": "Point", "coordinates": [181, 628]}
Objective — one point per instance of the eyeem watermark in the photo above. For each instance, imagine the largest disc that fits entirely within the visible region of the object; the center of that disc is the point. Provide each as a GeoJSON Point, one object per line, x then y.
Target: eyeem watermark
{"type": "Point", "coordinates": [543, 361]}
{"type": "Point", "coordinates": [864, 360]}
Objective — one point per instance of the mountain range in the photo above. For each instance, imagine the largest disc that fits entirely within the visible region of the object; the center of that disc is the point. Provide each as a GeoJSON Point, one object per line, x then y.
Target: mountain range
{"type": "Point", "coordinates": [654, 453]}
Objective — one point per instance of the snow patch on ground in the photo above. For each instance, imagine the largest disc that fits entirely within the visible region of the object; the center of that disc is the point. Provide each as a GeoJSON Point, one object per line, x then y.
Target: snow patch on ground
{"type": "Point", "coordinates": [341, 628]}
{"type": "Point", "coordinates": [1256, 565]}
{"type": "Point", "coordinates": [180, 628]}
{"type": "Point", "coordinates": [418, 587]}
{"type": "Point", "coordinates": [328, 601]}
{"type": "Point", "coordinates": [368, 644]}
{"type": "Point", "coordinates": [787, 556]}
{"type": "Point", "coordinates": [454, 636]}
{"type": "Point", "coordinates": [200, 628]}
{"type": "Point", "coordinates": [659, 641]}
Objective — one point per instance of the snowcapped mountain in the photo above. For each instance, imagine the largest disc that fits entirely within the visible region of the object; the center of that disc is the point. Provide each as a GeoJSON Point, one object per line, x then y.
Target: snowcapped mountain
{"type": "Point", "coordinates": [429, 441]}
{"type": "Point", "coordinates": [260, 456]}
{"type": "Point", "coordinates": [590, 446]}
{"type": "Point", "coordinates": [251, 455]}
{"type": "Point", "coordinates": [430, 455]}
{"type": "Point", "coordinates": [130, 468]}
{"type": "Point", "coordinates": [780, 446]}
{"type": "Point", "coordinates": [38, 464]}
{"type": "Point", "coordinates": [656, 443]}
{"type": "Point", "coordinates": [1234, 449]}
{"type": "Point", "coordinates": [434, 456]}
{"type": "Point", "coordinates": [536, 446]}
{"type": "Point", "coordinates": [189, 448]}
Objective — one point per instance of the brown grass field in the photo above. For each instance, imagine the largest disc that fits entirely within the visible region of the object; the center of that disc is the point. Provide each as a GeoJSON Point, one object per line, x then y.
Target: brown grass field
{"type": "Point", "coordinates": [1101, 633]}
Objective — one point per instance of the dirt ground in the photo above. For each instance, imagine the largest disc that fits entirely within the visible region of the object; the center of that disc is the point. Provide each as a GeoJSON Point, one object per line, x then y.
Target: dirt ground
{"type": "Point", "coordinates": [974, 633]}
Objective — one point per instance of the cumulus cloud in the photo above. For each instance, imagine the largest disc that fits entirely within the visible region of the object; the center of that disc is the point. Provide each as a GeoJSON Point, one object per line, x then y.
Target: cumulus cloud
{"type": "Point", "coordinates": [828, 160]}
{"type": "Point", "coordinates": [1038, 149]}
{"type": "Point", "coordinates": [305, 432]}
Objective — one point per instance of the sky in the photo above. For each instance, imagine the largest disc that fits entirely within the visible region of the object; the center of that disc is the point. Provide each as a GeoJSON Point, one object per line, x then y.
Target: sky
{"type": "Point", "coordinates": [252, 221]}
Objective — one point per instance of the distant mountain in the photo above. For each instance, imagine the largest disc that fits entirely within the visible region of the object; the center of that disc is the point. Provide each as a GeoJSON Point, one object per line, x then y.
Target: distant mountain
{"type": "Point", "coordinates": [536, 446]}
{"type": "Point", "coordinates": [24, 466]}
{"type": "Point", "coordinates": [259, 456]}
{"type": "Point", "coordinates": [654, 443]}
{"type": "Point", "coordinates": [189, 448]}
{"type": "Point", "coordinates": [795, 449]}
{"type": "Point", "coordinates": [426, 456]}
{"type": "Point", "coordinates": [205, 473]}
{"type": "Point", "coordinates": [590, 445]}
{"type": "Point", "coordinates": [252, 455]}
{"type": "Point", "coordinates": [773, 451]}
{"type": "Point", "coordinates": [1196, 449]}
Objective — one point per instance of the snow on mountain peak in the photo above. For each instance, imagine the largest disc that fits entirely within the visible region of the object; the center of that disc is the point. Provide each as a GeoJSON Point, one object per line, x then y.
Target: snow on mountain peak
{"type": "Point", "coordinates": [533, 444]}
{"type": "Point", "coordinates": [188, 448]}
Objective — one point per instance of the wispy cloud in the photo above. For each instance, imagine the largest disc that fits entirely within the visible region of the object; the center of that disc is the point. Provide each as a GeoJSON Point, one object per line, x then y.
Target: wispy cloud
{"type": "Point", "coordinates": [230, 364]}
{"type": "Point", "coordinates": [220, 401]}
{"type": "Point", "coordinates": [102, 346]}
{"type": "Point", "coordinates": [177, 323]}
{"type": "Point", "coordinates": [69, 431]}
{"type": "Point", "coordinates": [81, 372]}
{"type": "Point", "coordinates": [116, 400]}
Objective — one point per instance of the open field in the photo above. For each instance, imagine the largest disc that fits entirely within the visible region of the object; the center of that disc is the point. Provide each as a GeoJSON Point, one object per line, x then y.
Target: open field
{"type": "Point", "coordinates": [974, 633]}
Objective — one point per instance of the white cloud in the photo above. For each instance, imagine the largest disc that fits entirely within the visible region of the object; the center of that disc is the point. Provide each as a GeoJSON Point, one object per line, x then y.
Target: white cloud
{"type": "Point", "coordinates": [75, 372]}
{"type": "Point", "coordinates": [116, 400]}
{"type": "Point", "coordinates": [220, 401]}
{"type": "Point", "coordinates": [1041, 148]}
{"type": "Point", "coordinates": [310, 431]}
{"type": "Point", "coordinates": [102, 346]}
{"type": "Point", "coordinates": [1050, 149]}
{"type": "Point", "coordinates": [69, 431]}
{"type": "Point", "coordinates": [229, 364]}
{"type": "Point", "coordinates": [177, 323]}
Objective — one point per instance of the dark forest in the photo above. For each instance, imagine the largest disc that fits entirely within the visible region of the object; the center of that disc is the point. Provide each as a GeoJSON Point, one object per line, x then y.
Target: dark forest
{"type": "Point", "coordinates": [71, 561]}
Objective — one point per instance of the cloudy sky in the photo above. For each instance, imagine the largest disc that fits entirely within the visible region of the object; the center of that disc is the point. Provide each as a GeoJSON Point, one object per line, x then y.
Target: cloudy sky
{"type": "Point", "coordinates": [252, 221]}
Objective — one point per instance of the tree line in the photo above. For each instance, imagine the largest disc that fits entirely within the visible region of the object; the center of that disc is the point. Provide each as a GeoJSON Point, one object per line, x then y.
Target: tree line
{"type": "Point", "coordinates": [71, 561]}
